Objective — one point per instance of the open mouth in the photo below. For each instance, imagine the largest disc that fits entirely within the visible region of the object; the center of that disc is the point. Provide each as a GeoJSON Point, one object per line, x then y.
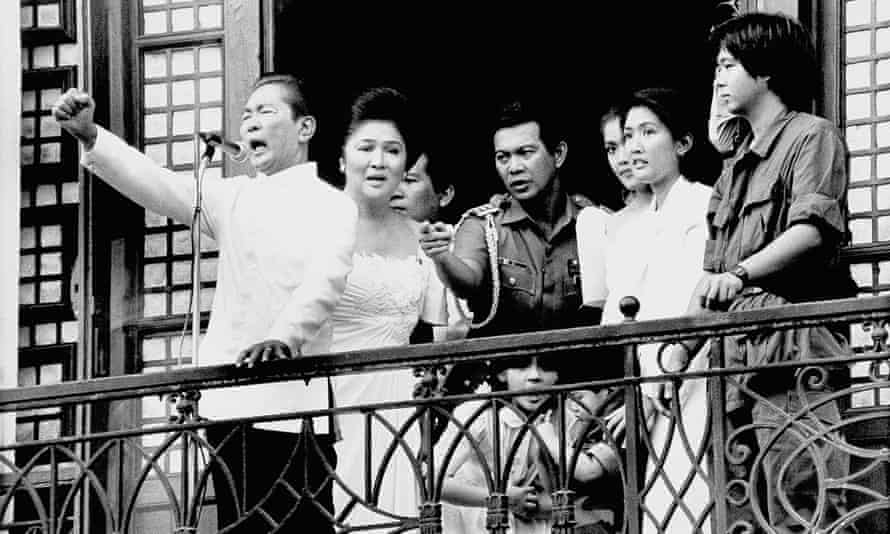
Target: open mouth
{"type": "Point", "coordinates": [376, 179]}
{"type": "Point", "coordinates": [257, 146]}
{"type": "Point", "coordinates": [521, 185]}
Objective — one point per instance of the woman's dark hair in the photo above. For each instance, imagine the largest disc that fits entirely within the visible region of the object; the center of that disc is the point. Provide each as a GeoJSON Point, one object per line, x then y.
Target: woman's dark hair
{"type": "Point", "coordinates": [611, 114]}
{"type": "Point", "coordinates": [773, 45]}
{"type": "Point", "coordinates": [669, 105]}
{"type": "Point", "coordinates": [671, 108]}
{"type": "Point", "coordinates": [388, 105]}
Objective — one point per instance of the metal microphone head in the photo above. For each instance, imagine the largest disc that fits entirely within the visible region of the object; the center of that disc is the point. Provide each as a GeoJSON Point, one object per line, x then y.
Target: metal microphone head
{"type": "Point", "coordinates": [236, 151]}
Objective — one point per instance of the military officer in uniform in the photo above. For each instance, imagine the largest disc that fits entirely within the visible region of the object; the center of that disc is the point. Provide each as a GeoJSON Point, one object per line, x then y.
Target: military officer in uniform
{"type": "Point", "coordinates": [515, 259]}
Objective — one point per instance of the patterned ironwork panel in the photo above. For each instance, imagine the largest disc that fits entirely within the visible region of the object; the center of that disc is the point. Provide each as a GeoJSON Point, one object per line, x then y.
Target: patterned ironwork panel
{"type": "Point", "coordinates": [182, 94]}
{"type": "Point", "coordinates": [692, 467]}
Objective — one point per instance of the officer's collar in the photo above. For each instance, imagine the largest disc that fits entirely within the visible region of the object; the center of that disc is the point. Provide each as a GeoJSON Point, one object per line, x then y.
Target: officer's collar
{"type": "Point", "coordinates": [514, 212]}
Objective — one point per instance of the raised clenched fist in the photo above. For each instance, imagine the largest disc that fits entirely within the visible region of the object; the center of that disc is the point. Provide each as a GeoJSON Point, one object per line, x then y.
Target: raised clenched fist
{"type": "Point", "coordinates": [74, 112]}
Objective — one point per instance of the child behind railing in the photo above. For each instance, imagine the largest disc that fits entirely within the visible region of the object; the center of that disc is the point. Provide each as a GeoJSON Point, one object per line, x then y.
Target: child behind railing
{"type": "Point", "coordinates": [596, 482]}
{"type": "Point", "coordinates": [465, 491]}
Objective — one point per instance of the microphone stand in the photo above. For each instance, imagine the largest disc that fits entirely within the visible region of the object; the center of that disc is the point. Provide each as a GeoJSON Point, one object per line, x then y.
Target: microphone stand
{"type": "Point", "coordinates": [186, 402]}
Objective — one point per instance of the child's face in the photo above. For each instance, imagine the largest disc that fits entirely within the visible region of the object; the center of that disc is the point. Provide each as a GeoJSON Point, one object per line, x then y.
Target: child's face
{"type": "Point", "coordinates": [529, 374]}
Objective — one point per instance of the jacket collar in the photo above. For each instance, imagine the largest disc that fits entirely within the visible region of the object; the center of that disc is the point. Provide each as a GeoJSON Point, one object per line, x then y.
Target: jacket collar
{"type": "Point", "coordinates": [765, 143]}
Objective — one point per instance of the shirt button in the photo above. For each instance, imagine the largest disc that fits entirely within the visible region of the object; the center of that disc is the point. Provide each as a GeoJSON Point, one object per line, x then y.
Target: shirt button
{"type": "Point", "coordinates": [511, 281]}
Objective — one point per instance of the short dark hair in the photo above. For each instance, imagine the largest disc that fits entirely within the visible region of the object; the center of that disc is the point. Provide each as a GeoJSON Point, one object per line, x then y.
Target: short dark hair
{"type": "Point", "coordinates": [548, 363]}
{"type": "Point", "coordinates": [389, 105]}
{"type": "Point", "coordinates": [430, 143]}
{"type": "Point", "coordinates": [440, 179]}
{"type": "Point", "coordinates": [528, 109]}
{"type": "Point", "coordinates": [294, 91]}
{"type": "Point", "coordinates": [774, 45]}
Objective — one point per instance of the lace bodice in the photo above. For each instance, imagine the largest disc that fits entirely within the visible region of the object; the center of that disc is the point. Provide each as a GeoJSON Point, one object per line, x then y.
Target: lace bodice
{"type": "Point", "coordinates": [382, 302]}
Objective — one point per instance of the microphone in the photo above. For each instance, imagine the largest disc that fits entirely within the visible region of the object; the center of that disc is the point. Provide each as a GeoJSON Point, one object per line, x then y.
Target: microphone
{"type": "Point", "coordinates": [237, 151]}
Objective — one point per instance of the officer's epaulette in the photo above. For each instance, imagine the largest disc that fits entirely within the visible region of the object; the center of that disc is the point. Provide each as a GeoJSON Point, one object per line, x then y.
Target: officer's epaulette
{"type": "Point", "coordinates": [494, 205]}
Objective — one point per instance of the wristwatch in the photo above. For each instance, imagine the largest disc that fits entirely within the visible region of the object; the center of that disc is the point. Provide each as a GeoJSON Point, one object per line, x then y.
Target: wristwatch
{"type": "Point", "coordinates": [741, 273]}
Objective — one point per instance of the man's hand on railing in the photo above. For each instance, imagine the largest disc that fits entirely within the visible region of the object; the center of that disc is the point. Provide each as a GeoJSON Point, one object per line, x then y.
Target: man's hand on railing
{"type": "Point", "coordinates": [264, 351]}
{"type": "Point", "coordinates": [523, 501]}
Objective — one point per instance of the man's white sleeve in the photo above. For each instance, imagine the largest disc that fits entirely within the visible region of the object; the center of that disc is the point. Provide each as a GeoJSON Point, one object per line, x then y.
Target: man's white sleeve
{"type": "Point", "coordinates": [139, 178]}
{"type": "Point", "coordinates": [324, 278]}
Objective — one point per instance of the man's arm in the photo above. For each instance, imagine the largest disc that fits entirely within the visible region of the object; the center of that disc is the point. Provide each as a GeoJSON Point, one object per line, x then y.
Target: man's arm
{"type": "Point", "coordinates": [725, 130]}
{"type": "Point", "coordinates": [123, 167]}
{"type": "Point", "coordinates": [463, 275]}
{"type": "Point", "coordinates": [816, 214]}
{"type": "Point", "coordinates": [718, 290]}
{"type": "Point", "coordinates": [595, 462]}
{"type": "Point", "coordinates": [324, 281]}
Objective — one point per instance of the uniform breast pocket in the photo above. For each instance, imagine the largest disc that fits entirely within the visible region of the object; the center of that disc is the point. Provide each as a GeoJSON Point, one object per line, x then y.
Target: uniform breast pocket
{"type": "Point", "coordinates": [759, 218]}
{"type": "Point", "coordinates": [516, 276]}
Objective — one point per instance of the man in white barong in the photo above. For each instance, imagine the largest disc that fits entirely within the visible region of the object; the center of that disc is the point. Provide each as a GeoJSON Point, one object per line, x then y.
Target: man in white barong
{"type": "Point", "coordinates": [285, 240]}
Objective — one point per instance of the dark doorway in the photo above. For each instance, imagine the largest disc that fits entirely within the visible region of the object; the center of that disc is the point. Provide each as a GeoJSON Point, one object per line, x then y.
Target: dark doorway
{"type": "Point", "coordinates": [459, 63]}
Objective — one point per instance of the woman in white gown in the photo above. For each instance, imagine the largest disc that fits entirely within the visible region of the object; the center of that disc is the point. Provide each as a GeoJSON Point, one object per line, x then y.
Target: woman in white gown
{"type": "Point", "coordinates": [391, 286]}
{"type": "Point", "coordinates": [654, 252]}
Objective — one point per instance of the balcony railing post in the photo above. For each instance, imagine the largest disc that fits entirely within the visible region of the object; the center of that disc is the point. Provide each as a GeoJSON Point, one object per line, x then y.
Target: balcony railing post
{"type": "Point", "coordinates": [430, 511]}
{"type": "Point", "coordinates": [563, 498]}
{"type": "Point", "coordinates": [186, 404]}
{"type": "Point", "coordinates": [629, 307]}
{"type": "Point", "coordinates": [430, 518]}
{"type": "Point", "coordinates": [716, 399]}
{"type": "Point", "coordinates": [497, 519]}
{"type": "Point", "coordinates": [563, 512]}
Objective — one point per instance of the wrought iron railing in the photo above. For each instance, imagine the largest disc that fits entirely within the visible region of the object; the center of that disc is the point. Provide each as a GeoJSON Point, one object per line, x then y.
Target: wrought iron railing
{"type": "Point", "coordinates": [682, 471]}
